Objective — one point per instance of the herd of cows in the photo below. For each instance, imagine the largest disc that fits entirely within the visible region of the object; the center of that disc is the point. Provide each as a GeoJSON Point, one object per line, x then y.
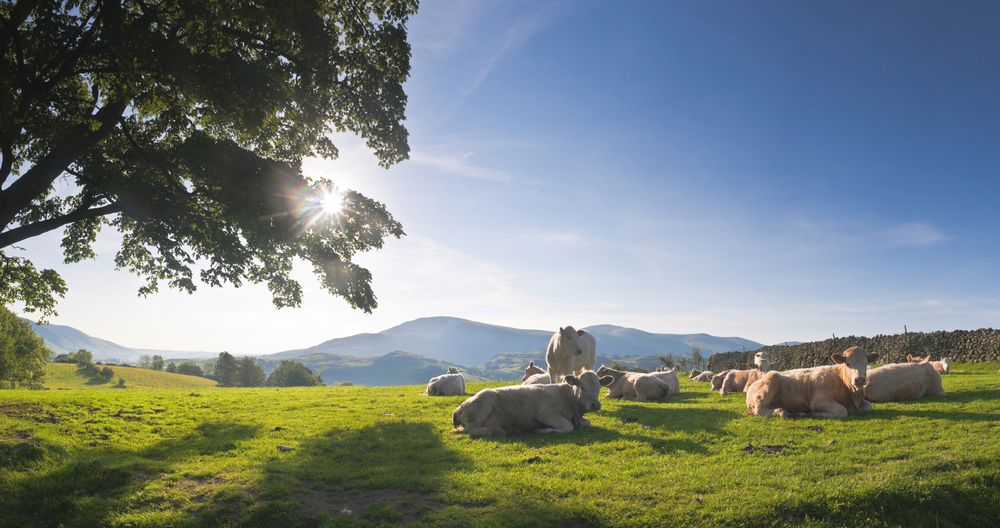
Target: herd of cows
{"type": "Point", "coordinates": [542, 405]}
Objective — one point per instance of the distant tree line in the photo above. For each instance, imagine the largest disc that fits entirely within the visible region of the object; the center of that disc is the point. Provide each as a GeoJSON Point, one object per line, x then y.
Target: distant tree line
{"type": "Point", "coordinates": [696, 360]}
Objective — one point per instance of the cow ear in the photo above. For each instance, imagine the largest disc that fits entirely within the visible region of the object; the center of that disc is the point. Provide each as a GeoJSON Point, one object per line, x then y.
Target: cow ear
{"type": "Point", "coordinates": [872, 357]}
{"type": "Point", "coordinates": [531, 363]}
{"type": "Point", "coordinates": [571, 379]}
{"type": "Point", "coordinates": [607, 380]}
{"type": "Point", "coordinates": [909, 357]}
{"type": "Point", "coordinates": [580, 332]}
{"type": "Point", "coordinates": [838, 358]}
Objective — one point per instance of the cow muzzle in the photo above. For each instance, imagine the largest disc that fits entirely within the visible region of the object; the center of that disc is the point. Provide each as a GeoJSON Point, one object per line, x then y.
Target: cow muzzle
{"type": "Point", "coordinates": [860, 381]}
{"type": "Point", "coordinates": [594, 406]}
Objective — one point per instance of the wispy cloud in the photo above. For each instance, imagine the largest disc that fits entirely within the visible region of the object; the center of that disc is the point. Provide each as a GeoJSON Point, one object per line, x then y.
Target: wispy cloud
{"type": "Point", "coordinates": [455, 164]}
{"type": "Point", "coordinates": [913, 234]}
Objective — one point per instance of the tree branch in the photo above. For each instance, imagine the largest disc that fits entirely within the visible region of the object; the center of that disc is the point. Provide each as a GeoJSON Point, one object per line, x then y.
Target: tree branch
{"type": "Point", "coordinates": [27, 231]}
{"type": "Point", "coordinates": [39, 177]}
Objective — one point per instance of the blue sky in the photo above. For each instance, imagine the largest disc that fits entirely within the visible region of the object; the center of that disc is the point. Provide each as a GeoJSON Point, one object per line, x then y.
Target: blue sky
{"type": "Point", "coordinates": [770, 170]}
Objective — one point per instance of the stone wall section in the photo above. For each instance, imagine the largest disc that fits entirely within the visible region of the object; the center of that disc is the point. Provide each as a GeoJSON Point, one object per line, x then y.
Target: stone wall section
{"type": "Point", "coordinates": [969, 346]}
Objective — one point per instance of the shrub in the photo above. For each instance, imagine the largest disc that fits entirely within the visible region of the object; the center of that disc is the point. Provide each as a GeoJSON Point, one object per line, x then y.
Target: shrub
{"type": "Point", "coordinates": [22, 353]}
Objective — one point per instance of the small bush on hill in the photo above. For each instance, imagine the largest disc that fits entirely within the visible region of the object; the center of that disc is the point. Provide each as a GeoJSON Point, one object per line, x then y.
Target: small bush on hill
{"type": "Point", "coordinates": [189, 368]}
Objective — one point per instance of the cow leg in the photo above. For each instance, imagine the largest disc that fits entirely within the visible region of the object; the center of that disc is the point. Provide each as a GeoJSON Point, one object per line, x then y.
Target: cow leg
{"type": "Point", "coordinates": [487, 426]}
{"type": "Point", "coordinates": [555, 423]}
{"type": "Point", "coordinates": [827, 409]}
{"type": "Point", "coordinates": [865, 406]}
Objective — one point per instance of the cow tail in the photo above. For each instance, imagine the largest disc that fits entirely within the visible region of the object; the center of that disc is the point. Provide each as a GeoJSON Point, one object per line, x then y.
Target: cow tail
{"type": "Point", "coordinates": [454, 418]}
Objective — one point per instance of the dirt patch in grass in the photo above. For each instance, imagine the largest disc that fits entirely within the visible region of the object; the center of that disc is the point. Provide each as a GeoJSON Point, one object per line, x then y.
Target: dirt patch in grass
{"type": "Point", "coordinates": [404, 506]}
{"type": "Point", "coordinates": [25, 411]}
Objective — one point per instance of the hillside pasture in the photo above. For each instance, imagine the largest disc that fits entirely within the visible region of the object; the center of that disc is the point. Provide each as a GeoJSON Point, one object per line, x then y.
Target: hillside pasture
{"type": "Point", "coordinates": [386, 456]}
{"type": "Point", "coordinates": [68, 376]}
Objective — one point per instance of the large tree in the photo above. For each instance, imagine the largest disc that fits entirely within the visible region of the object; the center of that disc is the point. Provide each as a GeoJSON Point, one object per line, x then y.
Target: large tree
{"type": "Point", "coordinates": [183, 124]}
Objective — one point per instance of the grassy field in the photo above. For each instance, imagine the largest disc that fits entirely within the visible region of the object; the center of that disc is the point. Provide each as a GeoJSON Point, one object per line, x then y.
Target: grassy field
{"type": "Point", "coordinates": [386, 457]}
{"type": "Point", "coordinates": [67, 376]}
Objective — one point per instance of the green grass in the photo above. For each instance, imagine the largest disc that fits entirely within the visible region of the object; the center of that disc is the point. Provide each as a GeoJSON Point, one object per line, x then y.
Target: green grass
{"type": "Point", "coordinates": [385, 456]}
{"type": "Point", "coordinates": [67, 376]}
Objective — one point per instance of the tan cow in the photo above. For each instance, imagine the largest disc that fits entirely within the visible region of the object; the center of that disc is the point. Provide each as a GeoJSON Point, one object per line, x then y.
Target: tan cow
{"type": "Point", "coordinates": [704, 376]}
{"type": "Point", "coordinates": [450, 384]}
{"type": "Point", "coordinates": [531, 408]}
{"type": "Point", "coordinates": [570, 351]}
{"type": "Point", "coordinates": [740, 380]}
{"type": "Point", "coordinates": [831, 391]}
{"type": "Point", "coordinates": [635, 386]}
{"type": "Point", "coordinates": [902, 381]}
{"type": "Point", "coordinates": [718, 379]}
{"type": "Point", "coordinates": [917, 359]}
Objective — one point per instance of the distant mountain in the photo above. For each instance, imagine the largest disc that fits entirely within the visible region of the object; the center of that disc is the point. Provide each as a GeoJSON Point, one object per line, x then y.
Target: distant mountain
{"type": "Point", "coordinates": [443, 338]}
{"type": "Point", "coordinates": [64, 339]}
{"type": "Point", "coordinates": [464, 342]}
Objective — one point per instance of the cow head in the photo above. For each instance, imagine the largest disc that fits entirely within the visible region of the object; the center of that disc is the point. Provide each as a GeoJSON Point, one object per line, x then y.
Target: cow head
{"type": "Point", "coordinates": [587, 388]}
{"type": "Point", "coordinates": [856, 361]}
{"type": "Point", "coordinates": [454, 370]}
{"type": "Point", "coordinates": [763, 361]}
{"type": "Point", "coordinates": [568, 340]}
{"type": "Point", "coordinates": [718, 379]}
{"type": "Point", "coordinates": [612, 373]}
{"type": "Point", "coordinates": [531, 370]}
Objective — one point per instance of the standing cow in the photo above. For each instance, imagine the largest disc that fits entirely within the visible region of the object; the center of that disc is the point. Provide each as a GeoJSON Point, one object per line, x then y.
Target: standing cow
{"type": "Point", "coordinates": [570, 351]}
{"type": "Point", "coordinates": [531, 408]}
{"type": "Point", "coordinates": [832, 391]}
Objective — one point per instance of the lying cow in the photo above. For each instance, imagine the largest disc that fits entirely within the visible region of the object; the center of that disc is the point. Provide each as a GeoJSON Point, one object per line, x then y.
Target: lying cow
{"type": "Point", "coordinates": [831, 391]}
{"type": "Point", "coordinates": [718, 379]}
{"type": "Point", "coordinates": [700, 375]}
{"type": "Point", "coordinates": [450, 384]}
{"type": "Point", "coordinates": [531, 408]}
{"type": "Point", "coordinates": [669, 375]}
{"type": "Point", "coordinates": [534, 375]}
{"type": "Point", "coordinates": [943, 366]}
{"type": "Point", "coordinates": [739, 380]}
{"type": "Point", "coordinates": [902, 381]}
{"type": "Point", "coordinates": [636, 386]}
{"type": "Point", "coordinates": [570, 352]}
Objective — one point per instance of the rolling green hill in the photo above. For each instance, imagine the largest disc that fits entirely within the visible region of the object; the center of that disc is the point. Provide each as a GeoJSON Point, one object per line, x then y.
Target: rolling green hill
{"type": "Point", "coordinates": [67, 376]}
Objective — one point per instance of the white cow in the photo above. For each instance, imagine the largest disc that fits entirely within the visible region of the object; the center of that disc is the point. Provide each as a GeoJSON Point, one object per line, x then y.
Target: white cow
{"type": "Point", "coordinates": [570, 351]}
{"type": "Point", "coordinates": [719, 378]}
{"type": "Point", "coordinates": [902, 381]}
{"type": "Point", "coordinates": [534, 375]}
{"type": "Point", "coordinates": [450, 384]}
{"type": "Point", "coordinates": [635, 386]}
{"type": "Point", "coordinates": [531, 408]}
{"type": "Point", "coordinates": [943, 366]}
{"type": "Point", "coordinates": [832, 391]}
{"type": "Point", "coordinates": [669, 376]}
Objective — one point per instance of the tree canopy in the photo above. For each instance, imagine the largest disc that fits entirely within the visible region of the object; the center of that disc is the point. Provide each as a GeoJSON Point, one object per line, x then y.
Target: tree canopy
{"type": "Point", "coordinates": [22, 353]}
{"type": "Point", "coordinates": [183, 124]}
{"type": "Point", "coordinates": [291, 373]}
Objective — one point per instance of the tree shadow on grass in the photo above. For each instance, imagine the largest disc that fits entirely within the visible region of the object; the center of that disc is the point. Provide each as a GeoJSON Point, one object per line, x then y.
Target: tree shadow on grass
{"type": "Point", "coordinates": [391, 466]}
{"type": "Point", "coordinates": [958, 503]}
{"type": "Point", "coordinates": [106, 481]}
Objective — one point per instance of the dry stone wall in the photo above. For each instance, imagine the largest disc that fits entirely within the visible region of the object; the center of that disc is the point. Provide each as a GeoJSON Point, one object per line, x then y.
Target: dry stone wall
{"type": "Point", "coordinates": [970, 346]}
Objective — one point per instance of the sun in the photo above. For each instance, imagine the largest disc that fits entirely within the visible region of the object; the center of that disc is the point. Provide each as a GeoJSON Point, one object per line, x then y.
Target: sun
{"type": "Point", "coordinates": [331, 203]}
